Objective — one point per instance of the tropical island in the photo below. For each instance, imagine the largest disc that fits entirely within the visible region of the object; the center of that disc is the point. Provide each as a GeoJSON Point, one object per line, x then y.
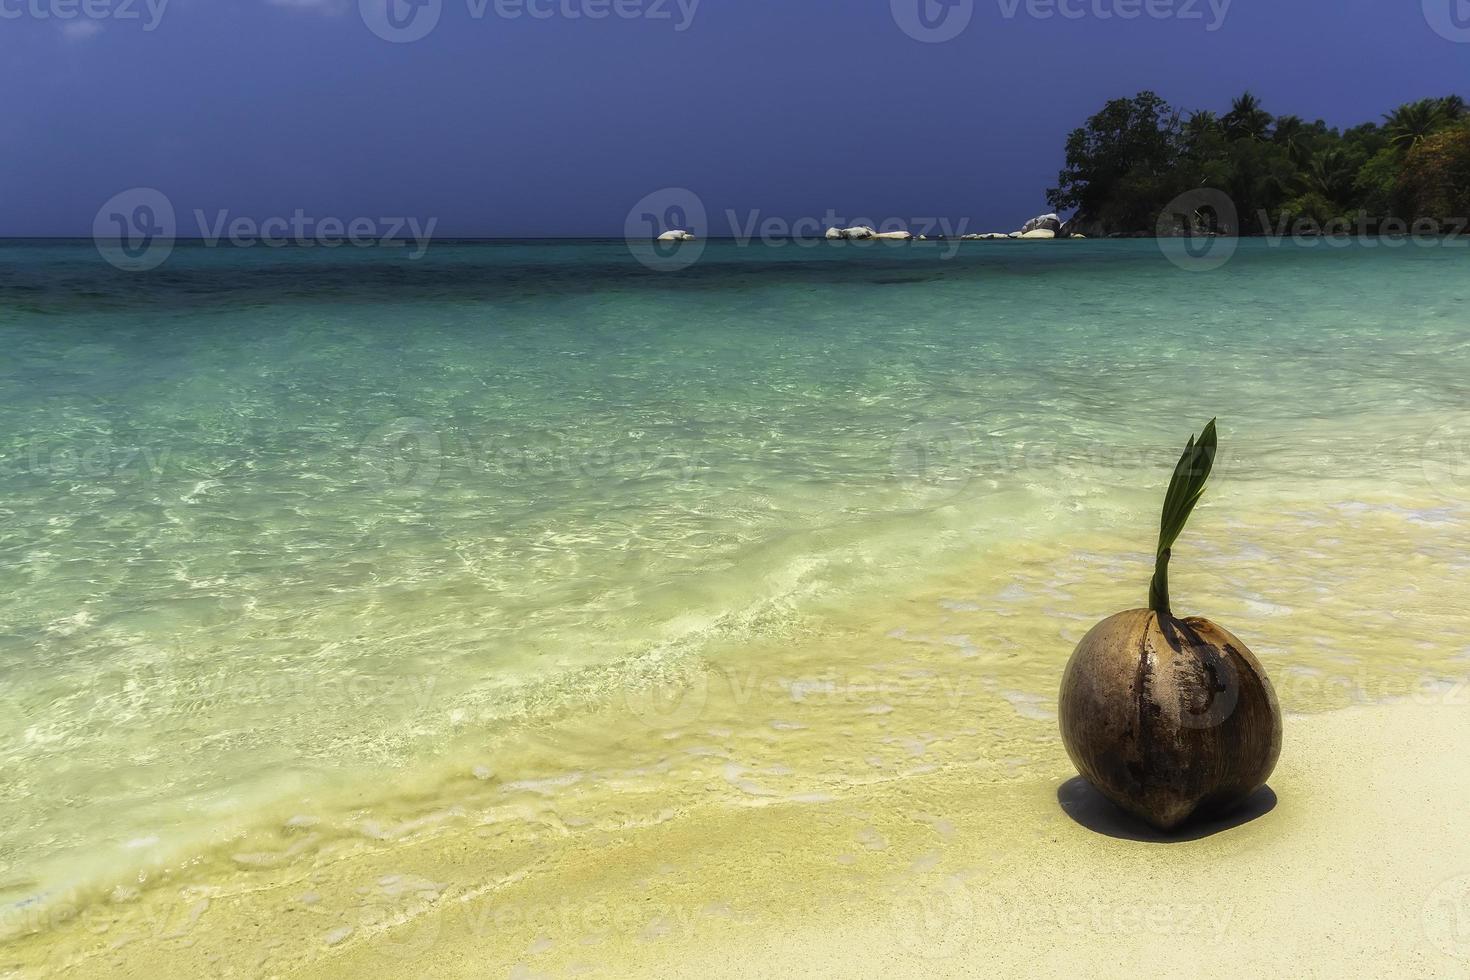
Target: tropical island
{"type": "Point", "coordinates": [1128, 165]}
{"type": "Point", "coordinates": [1141, 168]}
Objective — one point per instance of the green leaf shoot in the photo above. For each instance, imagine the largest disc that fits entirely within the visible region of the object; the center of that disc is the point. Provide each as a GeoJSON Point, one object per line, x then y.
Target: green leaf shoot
{"type": "Point", "coordinates": [1185, 490]}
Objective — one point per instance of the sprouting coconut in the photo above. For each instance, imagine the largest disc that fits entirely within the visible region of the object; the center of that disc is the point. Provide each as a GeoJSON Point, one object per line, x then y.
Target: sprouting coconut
{"type": "Point", "coordinates": [1170, 717]}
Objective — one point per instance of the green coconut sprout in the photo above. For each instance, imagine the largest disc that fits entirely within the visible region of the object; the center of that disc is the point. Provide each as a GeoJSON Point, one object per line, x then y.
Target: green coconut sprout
{"type": "Point", "coordinates": [1185, 489]}
{"type": "Point", "coordinates": [1170, 717]}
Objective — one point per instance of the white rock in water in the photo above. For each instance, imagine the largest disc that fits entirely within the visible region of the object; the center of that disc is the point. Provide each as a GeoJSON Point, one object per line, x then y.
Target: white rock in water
{"type": "Point", "coordinates": [858, 232]}
{"type": "Point", "coordinates": [1014, 234]}
{"type": "Point", "coordinates": [833, 234]}
{"type": "Point", "coordinates": [676, 236]}
{"type": "Point", "coordinates": [1046, 222]}
{"type": "Point", "coordinates": [893, 236]}
{"type": "Point", "coordinates": [1039, 233]}
{"type": "Point", "coordinates": [1078, 236]}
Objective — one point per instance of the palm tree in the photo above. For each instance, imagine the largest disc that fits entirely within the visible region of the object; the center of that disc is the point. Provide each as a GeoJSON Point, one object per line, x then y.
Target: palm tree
{"type": "Point", "coordinates": [1201, 120]}
{"type": "Point", "coordinates": [1409, 124]}
{"type": "Point", "coordinates": [1331, 174]}
{"type": "Point", "coordinates": [1201, 127]}
{"type": "Point", "coordinates": [1291, 135]}
{"type": "Point", "coordinates": [1246, 119]}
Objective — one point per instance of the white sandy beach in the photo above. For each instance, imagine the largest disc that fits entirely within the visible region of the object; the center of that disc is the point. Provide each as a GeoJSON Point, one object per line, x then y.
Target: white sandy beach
{"type": "Point", "coordinates": [1361, 868]}
{"type": "Point", "coordinates": [878, 796]}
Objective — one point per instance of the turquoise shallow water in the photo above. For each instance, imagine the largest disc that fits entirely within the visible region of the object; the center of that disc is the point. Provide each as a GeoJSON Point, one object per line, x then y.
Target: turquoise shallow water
{"type": "Point", "coordinates": [275, 521]}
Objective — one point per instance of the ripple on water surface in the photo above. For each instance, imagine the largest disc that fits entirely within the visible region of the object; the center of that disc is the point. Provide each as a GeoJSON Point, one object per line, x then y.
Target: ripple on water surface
{"type": "Point", "coordinates": [395, 548]}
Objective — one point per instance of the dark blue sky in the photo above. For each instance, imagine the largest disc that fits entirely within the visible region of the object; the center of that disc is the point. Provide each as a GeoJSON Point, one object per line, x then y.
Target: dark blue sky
{"type": "Point", "coordinates": [557, 126]}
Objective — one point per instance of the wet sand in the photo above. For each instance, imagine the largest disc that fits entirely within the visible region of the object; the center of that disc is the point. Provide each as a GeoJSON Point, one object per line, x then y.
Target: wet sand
{"type": "Point", "coordinates": [881, 792]}
{"type": "Point", "coordinates": [1355, 863]}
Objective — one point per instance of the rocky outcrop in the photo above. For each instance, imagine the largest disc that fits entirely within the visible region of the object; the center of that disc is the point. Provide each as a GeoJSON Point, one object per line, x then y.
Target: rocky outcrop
{"type": "Point", "coordinates": [1045, 222]}
{"type": "Point", "coordinates": [1077, 225]}
{"type": "Point", "coordinates": [860, 233]}
{"type": "Point", "coordinates": [1046, 226]}
{"type": "Point", "coordinates": [676, 235]}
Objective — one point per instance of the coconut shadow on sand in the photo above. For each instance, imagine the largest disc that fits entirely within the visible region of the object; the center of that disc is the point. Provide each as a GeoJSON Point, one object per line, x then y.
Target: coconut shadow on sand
{"type": "Point", "coordinates": [1084, 804]}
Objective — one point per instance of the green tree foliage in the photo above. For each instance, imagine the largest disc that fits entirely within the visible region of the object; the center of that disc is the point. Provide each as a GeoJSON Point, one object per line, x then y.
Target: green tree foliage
{"type": "Point", "coordinates": [1435, 180]}
{"type": "Point", "coordinates": [1411, 124]}
{"type": "Point", "coordinates": [1130, 160]}
{"type": "Point", "coordinates": [1246, 120]}
{"type": "Point", "coordinates": [1121, 162]}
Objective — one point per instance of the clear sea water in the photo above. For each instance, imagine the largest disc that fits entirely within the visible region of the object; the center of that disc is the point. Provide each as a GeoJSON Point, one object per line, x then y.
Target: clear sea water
{"type": "Point", "coordinates": [311, 533]}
